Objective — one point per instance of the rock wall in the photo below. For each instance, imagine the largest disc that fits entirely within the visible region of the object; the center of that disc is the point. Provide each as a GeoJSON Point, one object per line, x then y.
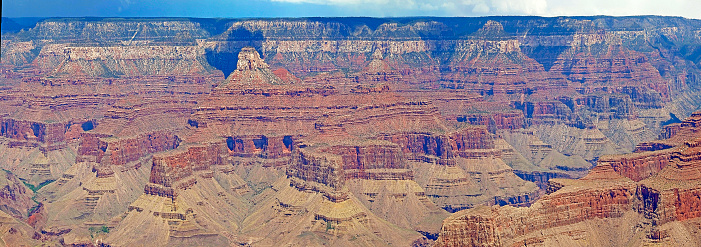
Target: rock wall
{"type": "Point", "coordinates": [661, 186]}
{"type": "Point", "coordinates": [494, 226]}
{"type": "Point", "coordinates": [326, 169]}
{"type": "Point", "coordinates": [24, 130]}
{"type": "Point", "coordinates": [122, 61]}
{"type": "Point", "coordinates": [175, 169]}
{"type": "Point", "coordinates": [375, 161]}
{"type": "Point", "coordinates": [108, 150]}
{"type": "Point", "coordinates": [672, 195]}
{"type": "Point", "coordinates": [467, 142]}
{"type": "Point", "coordinates": [271, 147]}
{"type": "Point", "coordinates": [638, 166]}
{"type": "Point", "coordinates": [497, 120]}
{"type": "Point", "coordinates": [332, 165]}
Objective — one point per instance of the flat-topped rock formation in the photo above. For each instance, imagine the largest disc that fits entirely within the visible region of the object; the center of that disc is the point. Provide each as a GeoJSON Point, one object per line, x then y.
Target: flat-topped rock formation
{"type": "Point", "coordinates": [189, 190]}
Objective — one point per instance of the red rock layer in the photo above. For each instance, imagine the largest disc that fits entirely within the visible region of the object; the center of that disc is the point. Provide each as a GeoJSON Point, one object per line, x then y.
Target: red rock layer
{"type": "Point", "coordinates": [638, 166]}
{"type": "Point", "coordinates": [123, 151]}
{"type": "Point", "coordinates": [25, 130]}
{"type": "Point", "coordinates": [498, 226]}
{"type": "Point", "coordinates": [599, 60]}
{"type": "Point", "coordinates": [175, 169]}
{"type": "Point", "coordinates": [499, 120]}
{"type": "Point", "coordinates": [381, 117]}
{"type": "Point", "coordinates": [271, 147]}
{"type": "Point", "coordinates": [286, 76]}
{"type": "Point", "coordinates": [103, 148]}
{"type": "Point", "coordinates": [309, 111]}
{"type": "Point", "coordinates": [372, 161]}
{"type": "Point", "coordinates": [325, 169]}
{"type": "Point", "coordinates": [466, 142]}
{"type": "Point", "coordinates": [668, 190]}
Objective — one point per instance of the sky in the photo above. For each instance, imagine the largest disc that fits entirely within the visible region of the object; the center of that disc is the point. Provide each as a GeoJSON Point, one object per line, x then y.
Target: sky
{"type": "Point", "coordinates": [325, 8]}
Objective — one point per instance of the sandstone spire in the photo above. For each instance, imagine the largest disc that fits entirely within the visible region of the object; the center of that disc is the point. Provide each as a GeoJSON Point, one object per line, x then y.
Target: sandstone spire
{"type": "Point", "coordinates": [251, 70]}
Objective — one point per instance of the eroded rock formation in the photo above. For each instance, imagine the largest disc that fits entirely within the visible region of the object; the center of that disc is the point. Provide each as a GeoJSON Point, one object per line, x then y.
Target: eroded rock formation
{"type": "Point", "coordinates": [646, 190]}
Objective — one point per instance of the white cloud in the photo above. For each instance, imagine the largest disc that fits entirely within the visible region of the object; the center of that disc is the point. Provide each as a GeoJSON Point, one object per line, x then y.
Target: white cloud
{"type": "Point", "coordinates": [686, 8]}
{"type": "Point", "coordinates": [481, 8]}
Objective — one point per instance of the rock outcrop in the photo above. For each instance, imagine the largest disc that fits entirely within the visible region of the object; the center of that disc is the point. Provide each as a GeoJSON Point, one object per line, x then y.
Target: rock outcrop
{"type": "Point", "coordinates": [15, 198]}
{"type": "Point", "coordinates": [251, 70]}
{"type": "Point", "coordinates": [457, 168]}
{"type": "Point", "coordinates": [647, 190]}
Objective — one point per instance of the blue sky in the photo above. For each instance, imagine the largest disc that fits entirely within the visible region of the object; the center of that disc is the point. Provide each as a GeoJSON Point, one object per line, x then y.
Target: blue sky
{"type": "Point", "coordinates": [374, 8]}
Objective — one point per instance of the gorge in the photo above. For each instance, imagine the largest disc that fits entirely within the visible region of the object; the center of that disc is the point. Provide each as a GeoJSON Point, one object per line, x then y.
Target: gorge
{"type": "Point", "coordinates": [416, 131]}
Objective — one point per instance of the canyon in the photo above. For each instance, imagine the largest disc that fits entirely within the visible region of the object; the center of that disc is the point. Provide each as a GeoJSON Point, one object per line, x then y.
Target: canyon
{"type": "Point", "coordinates": [485, 131]}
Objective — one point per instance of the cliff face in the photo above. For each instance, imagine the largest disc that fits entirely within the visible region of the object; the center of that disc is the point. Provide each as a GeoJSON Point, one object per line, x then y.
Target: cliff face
{"type": "Point", "coordinates": [595, 58]}
{"type": "Point", "coordinates": [491, 63]}
{"type": "Point", "coordinates": [176, 169]}
{"type": "Point", "coordinates": [457, 168]}
{"type": "Point", "coordinates": [472, 141]}
{"type": "Point", "coordinates": [106, 31]}
{"type": "Point", "coordinates": [76, 48]}
{"type": "Point", "coordinates": [33, 131]}
{"type": "Point", "coordinates": [125, 61]}
{"type": "Point", "coordinates": [668, 181]}
{"type": "Point", "coordinates": [253, 100]}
